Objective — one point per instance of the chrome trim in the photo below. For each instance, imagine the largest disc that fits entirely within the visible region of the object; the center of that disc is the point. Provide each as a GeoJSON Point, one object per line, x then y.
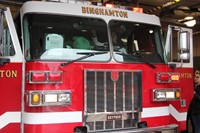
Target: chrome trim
{"type": "Point", "coordinates": [172, 128]}
{"type": "Point", "coordinates": [165, 90]}
{"type": "Point", "coordinates": [105, 96]}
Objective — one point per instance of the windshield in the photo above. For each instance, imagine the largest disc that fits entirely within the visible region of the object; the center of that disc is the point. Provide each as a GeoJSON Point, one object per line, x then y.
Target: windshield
{"type": "Point", "coordinates": [56, 37]}
{"type": "Point", "coordinates": [136, 42]}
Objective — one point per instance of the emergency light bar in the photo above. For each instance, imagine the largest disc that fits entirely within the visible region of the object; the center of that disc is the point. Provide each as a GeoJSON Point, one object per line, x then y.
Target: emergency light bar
{"type": "Point", "coordinates": [45, 77]}
{"type": "Point", "coordinates": [137, 9]}
{"type": "Point", "coordinates": [110, 5]}
{"type": "Point", "coordinates": [134, 9]}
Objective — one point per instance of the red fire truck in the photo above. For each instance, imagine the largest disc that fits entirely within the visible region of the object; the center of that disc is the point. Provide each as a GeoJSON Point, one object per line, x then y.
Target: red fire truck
{"type": "Point", "coordinates": [61, 70]}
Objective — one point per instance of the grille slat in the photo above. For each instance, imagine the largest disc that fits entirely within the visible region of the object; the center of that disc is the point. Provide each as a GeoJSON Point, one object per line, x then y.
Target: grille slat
{"type": "Point", "coordinates": [108, 92]}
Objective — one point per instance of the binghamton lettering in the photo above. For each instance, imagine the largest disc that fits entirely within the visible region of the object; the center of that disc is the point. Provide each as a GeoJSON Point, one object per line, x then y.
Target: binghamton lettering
{"type": "Point", "coordinates": [105, 12]}
{"type": "Point", "coordinates": [8, 73]}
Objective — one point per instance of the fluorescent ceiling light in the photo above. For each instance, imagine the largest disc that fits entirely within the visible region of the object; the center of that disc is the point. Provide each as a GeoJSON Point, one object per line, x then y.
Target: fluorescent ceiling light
{"type": "Point", "coordinates": [188, 18]}
{"type": "Point", "coordinates": [190, 23]}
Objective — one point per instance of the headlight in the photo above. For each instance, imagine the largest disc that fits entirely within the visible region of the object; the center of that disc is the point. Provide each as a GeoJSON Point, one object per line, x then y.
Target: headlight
{"type": "Point", "coordinates": [166, 94]}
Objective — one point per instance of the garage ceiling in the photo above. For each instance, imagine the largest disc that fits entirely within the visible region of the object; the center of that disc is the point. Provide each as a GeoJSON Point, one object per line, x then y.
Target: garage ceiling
{"type": "Point", "coordinates": [169, 11]}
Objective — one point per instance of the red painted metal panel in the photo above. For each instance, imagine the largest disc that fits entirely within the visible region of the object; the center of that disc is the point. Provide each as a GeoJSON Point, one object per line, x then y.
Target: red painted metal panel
{"type": "Point", "coordinates": [10, 105]}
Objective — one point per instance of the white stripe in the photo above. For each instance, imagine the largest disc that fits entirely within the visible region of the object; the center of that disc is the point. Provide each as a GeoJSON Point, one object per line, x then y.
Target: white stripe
{"type": "Point", "coordinates": [155, 112]}
{"type": "Point", "coordinates": [68, 117]}
{"type": "Point", "coordinates": [177, 115]}
{"type": "Point", "coordinates": [51, 118]}
{"type": "Point", "coordinates": [9, 117]}
{"type": "Point", "coordinates": [163, 111]}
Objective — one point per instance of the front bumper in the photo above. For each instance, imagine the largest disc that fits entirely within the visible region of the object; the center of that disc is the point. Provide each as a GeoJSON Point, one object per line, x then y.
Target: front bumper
{"type": "Point", "coordinates": [173, 128]}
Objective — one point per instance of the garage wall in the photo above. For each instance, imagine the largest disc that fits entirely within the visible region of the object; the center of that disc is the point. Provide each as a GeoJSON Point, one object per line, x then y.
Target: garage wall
{"type": "Point", "coordinates": [196, 44]}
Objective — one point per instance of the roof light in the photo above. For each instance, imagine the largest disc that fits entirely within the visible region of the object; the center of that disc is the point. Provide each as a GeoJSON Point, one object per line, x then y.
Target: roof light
{"type": "Point", "coordinates": [110, 5]}
{"type": "Point", "coordinates": [137, 9]}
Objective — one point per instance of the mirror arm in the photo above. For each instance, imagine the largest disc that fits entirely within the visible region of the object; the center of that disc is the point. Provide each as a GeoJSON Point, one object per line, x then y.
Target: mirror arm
{"type": "Point", "coordinates": [4, 61]}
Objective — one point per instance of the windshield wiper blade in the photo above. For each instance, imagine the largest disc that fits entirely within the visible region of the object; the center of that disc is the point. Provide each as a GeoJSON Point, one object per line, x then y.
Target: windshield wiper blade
{"type": "Point", "coordinates": [136, 57]}
{"type": "Point", "coordinates": [149, 63]}
{"type": "Point", "coordinates": [86, 55]}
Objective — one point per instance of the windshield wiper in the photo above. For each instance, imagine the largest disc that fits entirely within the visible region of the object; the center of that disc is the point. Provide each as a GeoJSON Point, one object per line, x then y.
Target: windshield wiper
{"type": "Point", "coordinates": [86, 55]}
{"type": "Point", "coordinates": [138, 57]}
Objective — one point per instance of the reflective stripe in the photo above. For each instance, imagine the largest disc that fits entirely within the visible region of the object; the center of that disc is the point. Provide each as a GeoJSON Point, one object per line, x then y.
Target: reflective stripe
{"type": "Point", "coordinates": [9, 117]}
{"type": "Point", "coordinates": [155, 112]}
{"type": "Point", "coordinates": [52, 118]}
{"type": "Point", "coordinates": [177, 115]}
{"type": "Point", "coordinates": [69, 117]}
{"type": "Point", "coordinates": [164, 111]}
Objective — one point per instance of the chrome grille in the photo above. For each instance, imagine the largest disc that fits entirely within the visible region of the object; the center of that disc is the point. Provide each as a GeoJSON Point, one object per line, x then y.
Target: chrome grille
{"type": "Point", "coordinates": [112, 92]}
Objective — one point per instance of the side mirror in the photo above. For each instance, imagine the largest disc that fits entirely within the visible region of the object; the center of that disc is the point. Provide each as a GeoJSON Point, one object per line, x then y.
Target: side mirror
{"type": "Point", "coordinates": [183, 46]}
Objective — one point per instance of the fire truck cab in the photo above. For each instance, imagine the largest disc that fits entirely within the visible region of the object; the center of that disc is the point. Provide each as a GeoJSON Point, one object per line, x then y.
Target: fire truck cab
{"type": "Point", "coordinates": [71, 67]}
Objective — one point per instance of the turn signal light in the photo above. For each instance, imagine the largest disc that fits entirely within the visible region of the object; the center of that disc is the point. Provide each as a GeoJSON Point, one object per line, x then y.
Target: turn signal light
{"type": "Point", "coordinates": [175, 77]}
{"type": "Point", "coordinates": [178, 94]}
{"type": "Point", "coordinates": [35, 98]}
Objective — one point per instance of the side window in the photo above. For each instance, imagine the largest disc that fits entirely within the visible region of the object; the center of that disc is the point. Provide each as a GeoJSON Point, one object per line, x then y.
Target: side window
{"type": "Point", "coordinates": [7, 48]}
{"type": "Point", "coordinates": [10, 48]}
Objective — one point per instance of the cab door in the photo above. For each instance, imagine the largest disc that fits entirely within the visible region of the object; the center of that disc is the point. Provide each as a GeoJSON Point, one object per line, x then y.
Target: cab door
{"type": "Point", "coordinates": [10, 75]}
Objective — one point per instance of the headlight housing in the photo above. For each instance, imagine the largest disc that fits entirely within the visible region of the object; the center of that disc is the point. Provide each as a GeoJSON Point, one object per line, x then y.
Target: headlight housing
{"type": "Point", "coordinates": [166, 94]}
{"type": "Point", "coordinates": [49, 97]}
